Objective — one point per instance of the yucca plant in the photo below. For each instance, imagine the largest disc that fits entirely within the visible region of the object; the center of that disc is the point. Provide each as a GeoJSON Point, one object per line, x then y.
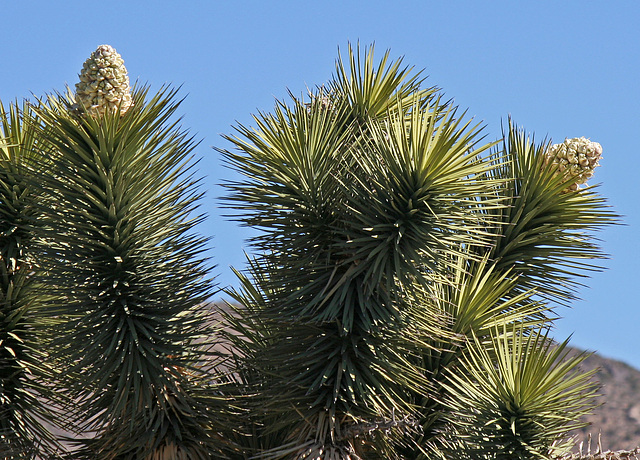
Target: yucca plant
{"type": "Point", "coordinates": [397, 307]}
{"type": "Point", "coordinates": [394, 244]}
{"type": "Point", "coordinates": [28, 400]}
{"type": "Point", "coordinates": [125, 268]}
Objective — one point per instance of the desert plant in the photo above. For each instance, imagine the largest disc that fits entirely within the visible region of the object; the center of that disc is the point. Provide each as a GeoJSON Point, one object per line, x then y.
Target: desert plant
{"type": "Point", "coordinates": [398, 304]}
{"type": "Point", "coordinates": [125, 268]}
{"type": "Point", "coordinates": [394, 245]}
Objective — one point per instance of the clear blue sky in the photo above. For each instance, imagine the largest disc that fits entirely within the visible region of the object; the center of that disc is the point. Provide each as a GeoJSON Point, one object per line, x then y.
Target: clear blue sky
{"type": "Point", "coordinates": [560, 68]}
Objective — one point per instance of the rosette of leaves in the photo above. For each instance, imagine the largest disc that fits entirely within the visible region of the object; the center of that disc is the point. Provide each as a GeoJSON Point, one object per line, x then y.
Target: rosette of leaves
{"type": "Point", "coordinates": [540, 252]}
{"type": "Point", "coordinates": [128, 275]}
{"type": "Point", "coordinates": [541, 249]}
{"type": "Point", "coordinates": [547, 235]}
{"type": "Point", "coordinates": [516, 397]}
{"type": "Point", "coordinates": [28, 401]}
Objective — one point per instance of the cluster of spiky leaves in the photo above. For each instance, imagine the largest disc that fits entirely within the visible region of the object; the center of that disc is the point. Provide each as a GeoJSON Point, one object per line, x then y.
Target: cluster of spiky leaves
{"type": "Point", "coordinates": [546, 236]}
{"type": "Point", "coordinates": [542, 239]}
{"type": "Point", "coordinates": [517, 397]}
{"type": "Point", "coordinates": [360, 200]}
{"type": "Point", "coordinates": [392, 242]}
{"type": "Point", "coordinates": [27, 375]}
{"type": "Point", "coordinates": [127, 274]}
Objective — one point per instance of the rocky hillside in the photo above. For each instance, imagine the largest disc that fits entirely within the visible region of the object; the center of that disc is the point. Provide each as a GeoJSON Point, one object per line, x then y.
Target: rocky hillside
{"type": "Point", "coordinates": [617, 420]}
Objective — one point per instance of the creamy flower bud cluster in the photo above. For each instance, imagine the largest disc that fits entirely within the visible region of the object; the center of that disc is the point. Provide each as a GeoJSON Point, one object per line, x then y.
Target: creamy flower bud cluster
{"type": "Point", "coordinates": [323, 96]}
{"type": "Point", "coordinates": [104, 83]}
{"type": "Point", "coordinates": [575, 158]}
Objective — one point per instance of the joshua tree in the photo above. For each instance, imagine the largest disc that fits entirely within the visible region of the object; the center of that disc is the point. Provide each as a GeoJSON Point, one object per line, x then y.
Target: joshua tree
{"type": "Point", "coordinates": [124, 267]}
{"type": "Point", "coordinates": [405, 277]}
{"type": "Point", "coordinates": [398, 305]}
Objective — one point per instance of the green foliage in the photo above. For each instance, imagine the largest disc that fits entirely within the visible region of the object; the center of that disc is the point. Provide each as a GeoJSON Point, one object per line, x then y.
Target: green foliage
{"type": "Point", "coordinates": [126, 273]}
{"type": "Point", "coordinates": [547, 233]}
{"type": "Point", "coordinates": [393, 244]}
{"type": "Point", "coordinates": [27, 398]}
{"type": "Point", "coordinates": [398, 304]}
{"type": "Point", "coordinates": [362, 193]}
{"type": "Point", "coordinates": [516, 398]}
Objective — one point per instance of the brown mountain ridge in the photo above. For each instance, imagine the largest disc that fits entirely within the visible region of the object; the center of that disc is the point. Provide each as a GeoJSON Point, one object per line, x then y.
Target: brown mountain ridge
{"type": "Point", "coordinates": [616, 422]}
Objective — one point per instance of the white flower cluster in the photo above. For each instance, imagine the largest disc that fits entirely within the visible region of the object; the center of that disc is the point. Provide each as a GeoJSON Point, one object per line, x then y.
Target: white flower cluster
{"type": "Point", "coordinates": [104, 83]}
{"type": "Point", "coordinates": [323, 96]}
{"type": "Point", "coordinates": [575, 158]}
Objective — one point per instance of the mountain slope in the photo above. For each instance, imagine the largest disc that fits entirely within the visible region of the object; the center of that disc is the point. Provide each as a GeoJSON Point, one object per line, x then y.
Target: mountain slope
{"type": "Point", "coordinates": [617, 420]}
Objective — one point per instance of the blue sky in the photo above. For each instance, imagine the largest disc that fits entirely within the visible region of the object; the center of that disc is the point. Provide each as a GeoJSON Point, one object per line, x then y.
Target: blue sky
{"type": "Point", "coordinates": [560, 69]}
